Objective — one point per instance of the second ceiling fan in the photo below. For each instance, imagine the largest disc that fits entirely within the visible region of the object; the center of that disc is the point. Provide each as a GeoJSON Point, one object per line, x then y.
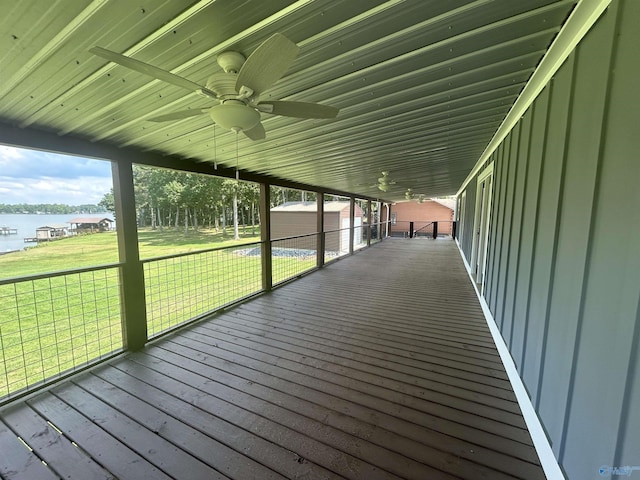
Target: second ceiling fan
{"type": "Point", "coordinates": [237, 88]}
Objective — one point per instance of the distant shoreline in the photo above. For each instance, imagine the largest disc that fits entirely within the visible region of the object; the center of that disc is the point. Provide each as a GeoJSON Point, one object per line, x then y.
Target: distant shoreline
{"type": "Point", "coordinates": [55, 213]}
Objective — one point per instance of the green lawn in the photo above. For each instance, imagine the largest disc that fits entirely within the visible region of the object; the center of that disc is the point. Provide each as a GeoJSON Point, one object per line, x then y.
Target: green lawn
{"type": "Point", "coordinates": [102, 248]}
{"type": "Point", "coordinates": [54, 324]}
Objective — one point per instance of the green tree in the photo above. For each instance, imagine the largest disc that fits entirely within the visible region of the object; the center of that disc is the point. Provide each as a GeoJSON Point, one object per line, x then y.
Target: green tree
{"type": "Point", "coordinates": [230, 191]}
{"type": "Point", "coordinates": [173, 192]}
{"type": "Point", "coordinates": [108, 203]}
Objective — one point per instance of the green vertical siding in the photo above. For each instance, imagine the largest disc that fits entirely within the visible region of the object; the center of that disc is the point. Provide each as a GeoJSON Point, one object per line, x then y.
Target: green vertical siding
{"type": "Point", "coordinates": [505, 321]}
{"type": "Point", "coordinates": [620, 179]}
{"type": "Point", "coordinates": [527, 231]}
{"type": "Point", "coordinates": [546, 229]}
{"type": "Point", "coordinates": [502, 256]}
{"type": "Point", "coordinates": [563, 276]}
{"type": "Point", "coordinates": [501, 171]}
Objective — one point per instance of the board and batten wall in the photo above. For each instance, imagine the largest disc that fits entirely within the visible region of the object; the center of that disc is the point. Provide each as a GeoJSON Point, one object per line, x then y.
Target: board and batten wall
{"type": "Point", "coordinates": [563, 271]}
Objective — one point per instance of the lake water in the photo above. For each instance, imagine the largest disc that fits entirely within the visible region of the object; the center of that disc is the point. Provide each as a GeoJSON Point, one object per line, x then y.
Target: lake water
{"type": "Point", "coordinates": [26, 225]}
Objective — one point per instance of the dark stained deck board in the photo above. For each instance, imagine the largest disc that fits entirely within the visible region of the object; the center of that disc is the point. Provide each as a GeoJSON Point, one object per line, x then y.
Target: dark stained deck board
{"type": "Point", "coordinates": [354, 404]}
{"type": "Point", "coordinates": [397, 393]}
{"type": "Point", "coordinates": [63, 457]}
{"type": "Point", "coordinates": [166, 456]}
{"type": "Point", "coordinates": [407, 344]}
{"type": "Point", "coordinates": [379, 366]}
{"type": "Point", "coordinates": [181, 447]}
{"type": "Point", "coordinates": [315, 441]}
{"type": "Point", "coordinates": [120, 460]}
{"type": "Point", "coordinates": [477, 392]}
{"type": "Point", "coordinates": [17, 462]}
{"type": "Point", "coordinates": [323, 338]}
{"type": "Point", "coordinates": [435, 310]}
{"type": "Point", "coordinates": [369, 326]}
{"type": "Point", "coordinates": [210, 415]}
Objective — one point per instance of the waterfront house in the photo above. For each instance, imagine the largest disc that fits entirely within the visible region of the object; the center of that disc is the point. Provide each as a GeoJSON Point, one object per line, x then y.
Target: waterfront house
{"type": "Point", "coordinates": [51, 232]}
{"type": "Point", "coordinates": [90, 224]}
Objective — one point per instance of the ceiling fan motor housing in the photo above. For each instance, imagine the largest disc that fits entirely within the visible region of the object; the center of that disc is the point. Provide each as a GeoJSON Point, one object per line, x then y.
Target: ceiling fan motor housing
{"type": "Point", "coordinates": [223, 84]}
{"type": "Point", "coordinates": [230, 62]}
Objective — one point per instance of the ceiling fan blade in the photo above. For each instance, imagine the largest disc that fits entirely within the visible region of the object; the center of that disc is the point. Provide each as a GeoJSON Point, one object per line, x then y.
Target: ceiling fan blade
{"type": "Point", "coordinates": [152, 71]}
{"type": "Point", "coordinates": [298, 109]}
{"type": "Point", "coordinates": [179, 115]}
{"type": "Point", "coordinates": [256, 133]}
{"type": "Point", "coordinates": [267, 64]}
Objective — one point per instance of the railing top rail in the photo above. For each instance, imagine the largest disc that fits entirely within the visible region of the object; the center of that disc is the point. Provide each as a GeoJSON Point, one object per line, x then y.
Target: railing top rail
{"type": "Point", "coordinates": [58, 273]}
{"type": "Point", "coordinates": [204, 250]}
{"type": "Point", "coordinates": [364, 225]}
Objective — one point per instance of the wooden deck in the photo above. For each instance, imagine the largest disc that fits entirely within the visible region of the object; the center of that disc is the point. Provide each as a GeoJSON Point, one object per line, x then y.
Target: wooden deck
{"type": "Point", "coordinates": [379, 366]}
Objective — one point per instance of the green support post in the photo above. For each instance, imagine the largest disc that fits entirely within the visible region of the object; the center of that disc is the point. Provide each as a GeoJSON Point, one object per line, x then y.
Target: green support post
{"type": "Point", "coordinates": [265, 236]}
{"type": "Point", "coordinates": [369, 217]}
{"type": "Point", "coordinates": [352, 216]}
{"type": "Point", "coordinates": [132, 290]}
{"type": "Point", "coordinates": [320, 244]}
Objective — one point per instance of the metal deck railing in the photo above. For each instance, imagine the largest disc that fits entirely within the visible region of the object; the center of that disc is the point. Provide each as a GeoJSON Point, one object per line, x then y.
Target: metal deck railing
{"type": "Point", "coordinates": [57, 323]}
{"type": "Point", "coordinates": [184, 286]}
{"type": "Point", "coordinates": [54, 324]}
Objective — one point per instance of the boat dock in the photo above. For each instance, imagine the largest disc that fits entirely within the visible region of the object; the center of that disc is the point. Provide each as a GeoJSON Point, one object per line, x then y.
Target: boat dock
{"type": "Point", "coordinates": [8, 231]}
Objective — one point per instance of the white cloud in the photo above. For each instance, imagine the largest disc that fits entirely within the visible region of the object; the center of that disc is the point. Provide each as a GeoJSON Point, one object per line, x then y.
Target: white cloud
{"type": "Point", "coordinates": [30, 176]}
{"type": "Point", "coordinates": [10, 153]}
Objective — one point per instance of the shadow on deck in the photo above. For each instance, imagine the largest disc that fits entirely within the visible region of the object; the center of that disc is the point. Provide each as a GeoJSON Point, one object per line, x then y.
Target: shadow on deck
{"type": "Point", "coordinates": [378, 366]}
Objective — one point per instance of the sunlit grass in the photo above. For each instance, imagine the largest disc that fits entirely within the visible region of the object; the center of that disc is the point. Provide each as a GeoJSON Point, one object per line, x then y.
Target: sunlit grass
{"type": "Point", "coordinates": [102, 248]}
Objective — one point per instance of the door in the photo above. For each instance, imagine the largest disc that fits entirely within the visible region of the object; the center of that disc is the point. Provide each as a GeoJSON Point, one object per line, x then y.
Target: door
{"type": "Point", "coordinates": [461, 217]}
{"type": "Point", "coordinates": [481, 225]}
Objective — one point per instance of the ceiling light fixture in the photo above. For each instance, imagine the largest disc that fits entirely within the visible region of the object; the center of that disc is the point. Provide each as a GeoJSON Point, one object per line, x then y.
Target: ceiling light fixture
{"type": "Point", "coordinates": [234, 115]}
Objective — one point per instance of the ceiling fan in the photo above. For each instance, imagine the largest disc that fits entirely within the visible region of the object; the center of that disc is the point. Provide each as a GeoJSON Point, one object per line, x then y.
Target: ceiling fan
{"type": "Point", "coordinates": [237, 88]}
{"type": "Point", "coordinates": [384, 182]}
{"type": "Point", "coordinates": [408, 195]}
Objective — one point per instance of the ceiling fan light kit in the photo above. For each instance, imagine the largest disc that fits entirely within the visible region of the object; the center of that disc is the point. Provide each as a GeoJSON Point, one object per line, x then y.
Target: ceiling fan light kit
{"type": "Point", "coordinates": [237, 88]}
{"type": "Point", "coordinates": [234, 115]}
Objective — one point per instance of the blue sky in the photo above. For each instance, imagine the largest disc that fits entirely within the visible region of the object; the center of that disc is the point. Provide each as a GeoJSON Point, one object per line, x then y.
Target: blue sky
{"type": "Point", "coordinates": [32, 176]}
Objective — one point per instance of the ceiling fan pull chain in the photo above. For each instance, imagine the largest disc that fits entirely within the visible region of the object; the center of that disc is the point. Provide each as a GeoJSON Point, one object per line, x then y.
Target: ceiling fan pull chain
{"type": "Point", "coordinates": [215, 149]}
{"type": "Point", "coordinates": [237, 173]}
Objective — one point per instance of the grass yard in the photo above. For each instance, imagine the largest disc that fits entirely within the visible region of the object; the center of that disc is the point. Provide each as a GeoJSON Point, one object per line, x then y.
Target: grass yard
{"type": "Point", "coordinates": [102, 248]}
{"type": "Point", "coordinates": [51, 325]}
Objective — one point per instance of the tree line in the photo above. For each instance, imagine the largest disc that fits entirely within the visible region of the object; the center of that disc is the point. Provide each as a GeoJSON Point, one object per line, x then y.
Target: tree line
{"type": "Point", "coordinates": [49, 208]}
{"type": "Point", "coordinates": [189, 201]}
